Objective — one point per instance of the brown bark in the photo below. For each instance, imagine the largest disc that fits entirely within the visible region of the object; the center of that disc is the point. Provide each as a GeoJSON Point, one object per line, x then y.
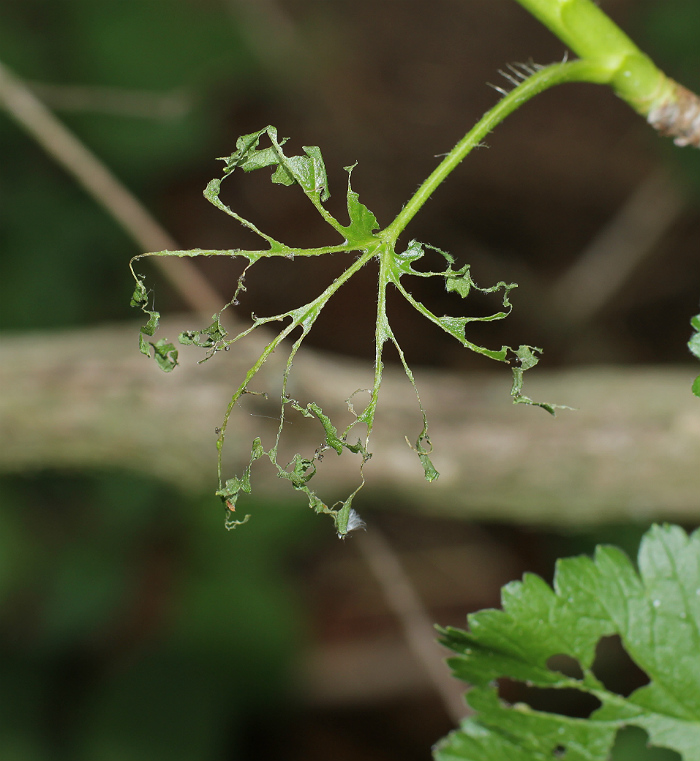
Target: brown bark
{"type": "Point", "coordinates": [678, 117]}
{"type": "Point", "coordinates": [87, 398]}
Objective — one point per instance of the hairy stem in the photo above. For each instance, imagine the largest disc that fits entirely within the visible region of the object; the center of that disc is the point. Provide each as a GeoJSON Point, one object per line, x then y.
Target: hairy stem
{"type": "Point", "coordinates": [583, 27]}
{"type": "Point", "coordinates": [537, 82]}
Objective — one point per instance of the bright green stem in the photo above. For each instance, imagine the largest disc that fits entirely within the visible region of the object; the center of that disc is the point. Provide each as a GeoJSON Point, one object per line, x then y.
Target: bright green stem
{"type": "Point", "coordinates": [585, 29]}
{"type": "Point", "coordinates": [576, 71]}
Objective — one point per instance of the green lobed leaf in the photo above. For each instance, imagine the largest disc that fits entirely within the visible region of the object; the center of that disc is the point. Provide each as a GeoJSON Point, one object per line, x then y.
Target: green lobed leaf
{"type": "Point", "coordinates": [429, 470]}
{"type": "Point", "coordinates": [459, 281]}
{"type": "Point", "coordinates": [694, 346]}
{"type": "Point", "coordinates": [403, 262]}
{"type": "Point", "coordinates": [363, 223]}
{"type": "Point", "coordinates": [208, 338]}
{"type": "Point", "coordinates": [248, 157]}
{"type": "Point", "coordinates": [309, 171]}
{"type": "Point", "coordinates": [656, 613]}
{"type": "Point", "coordinates": [140, 296]}
{"type": "Point", "coordinates": [233, 487]}
{"type": "Point", "coordinates": [165, 354]}
{"type": "Point", "coordinates": [510, 734]}
{"type": "Point", "coordinates": [151, 326]}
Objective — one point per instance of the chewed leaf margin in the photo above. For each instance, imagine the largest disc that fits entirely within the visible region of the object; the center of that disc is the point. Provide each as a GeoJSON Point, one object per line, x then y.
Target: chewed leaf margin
{"type": "Point", "coordinates": [591, 598]}
{"type": "Point", "coordinates": [460, 281]}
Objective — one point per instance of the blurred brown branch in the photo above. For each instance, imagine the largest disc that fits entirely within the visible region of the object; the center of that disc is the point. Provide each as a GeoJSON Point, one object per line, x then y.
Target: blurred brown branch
{"type": "Point", "coordinates": [618, 249]}
{"type": "Point", "coordinates": [106, 189]}
{"type": "Point", "coordinates": [87, 398]}
{"type": "Point", "coordinates": [416, 623]}
{"type": "Point", "coordinates": [117, 101]}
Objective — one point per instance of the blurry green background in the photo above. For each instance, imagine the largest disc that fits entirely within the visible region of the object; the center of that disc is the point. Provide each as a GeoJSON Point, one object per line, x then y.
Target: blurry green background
{"type": "Point", "coordinates": [132, 625]}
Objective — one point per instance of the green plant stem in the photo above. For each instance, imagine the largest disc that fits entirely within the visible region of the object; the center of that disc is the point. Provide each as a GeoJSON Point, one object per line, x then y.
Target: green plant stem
{"type": "Point", "coordinates": [576, 71]}
{"type": "Point", "coordinates": [584, 28]}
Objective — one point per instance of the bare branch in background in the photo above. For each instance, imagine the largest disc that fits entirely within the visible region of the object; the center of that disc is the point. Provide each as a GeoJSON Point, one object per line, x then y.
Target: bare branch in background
{"type": "Point", "coordinates": [115, 101]}
{"type": "Point", "coordinates": [271, 33]}
{"type": "Point", "coordinates": [416, 624]}
{"type": "Point", "coordinates": [31, 114]}
{"type": "Point", "coordinates": [601, 270]}
{"type": "Point", "coordinates": [87, 398]}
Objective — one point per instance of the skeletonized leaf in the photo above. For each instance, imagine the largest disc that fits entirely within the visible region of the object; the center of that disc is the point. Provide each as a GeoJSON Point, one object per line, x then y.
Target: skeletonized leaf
{"type": "Point", "coordinates": [309, 172]}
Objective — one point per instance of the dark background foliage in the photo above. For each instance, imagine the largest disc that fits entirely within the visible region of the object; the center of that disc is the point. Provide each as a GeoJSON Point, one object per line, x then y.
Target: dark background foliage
{"type": "Point", "coordinates": [133, 627]}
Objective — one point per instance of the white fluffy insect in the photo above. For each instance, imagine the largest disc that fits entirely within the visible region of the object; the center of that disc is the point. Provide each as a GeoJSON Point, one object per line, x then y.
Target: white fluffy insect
{"type": "Point", "coordinates": [354, 523]}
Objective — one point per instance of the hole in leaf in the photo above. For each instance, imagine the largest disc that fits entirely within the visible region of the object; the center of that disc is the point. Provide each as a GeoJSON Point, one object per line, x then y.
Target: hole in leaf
{"type": "Point", "coordinates": [559, 752]}
{"type": "Point", "coordinates": [565, 702]}
{"type": "Point", "coordinates": [566, 665]}
{"type": "Point", "coordinates": [615, 669]}
{"type": "Point", "coordinates": [632, 744]}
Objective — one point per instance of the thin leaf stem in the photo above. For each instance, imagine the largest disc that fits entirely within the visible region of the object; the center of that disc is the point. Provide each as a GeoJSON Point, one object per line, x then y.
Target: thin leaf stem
{"type": "Point", "coordinates": [252, 256]}
{"type": "Point", "coordinates": [381, 335]}
{"type": "Point", "coordinates": [327, 216]}
{"type": "Point", "coordinates": [303, 317]}
{"type": "Point", "coordinates": [539, 81]}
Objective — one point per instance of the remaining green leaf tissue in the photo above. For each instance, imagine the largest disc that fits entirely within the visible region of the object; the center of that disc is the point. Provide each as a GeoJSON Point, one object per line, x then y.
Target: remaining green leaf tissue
{"type": "Point", "coordinates": [694, 346]}
{"type": "Point", "coordinates": [656, 612]}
